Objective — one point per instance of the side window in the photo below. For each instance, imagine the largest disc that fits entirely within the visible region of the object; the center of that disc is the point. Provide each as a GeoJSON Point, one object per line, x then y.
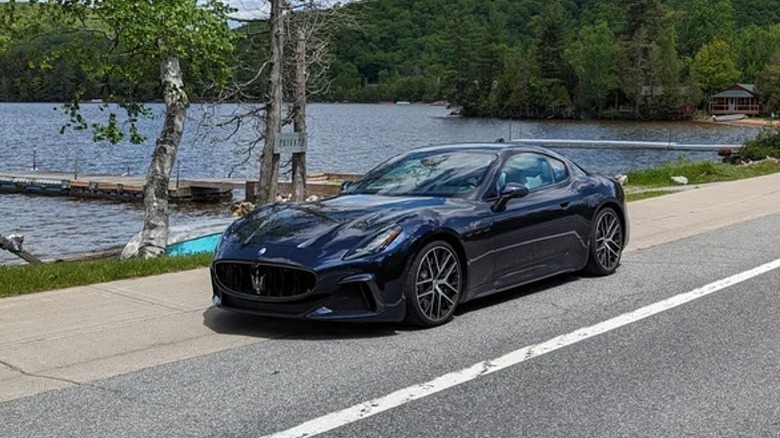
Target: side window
{"type": "Point", "coordinates": [560, 172]}
{"type": "Point", "coordinates": [528, 169]}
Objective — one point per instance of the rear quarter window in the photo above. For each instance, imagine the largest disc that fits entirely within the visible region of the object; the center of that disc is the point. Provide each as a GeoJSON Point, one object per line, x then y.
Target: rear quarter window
{"type": "Point", "coordinates": [559, 169]}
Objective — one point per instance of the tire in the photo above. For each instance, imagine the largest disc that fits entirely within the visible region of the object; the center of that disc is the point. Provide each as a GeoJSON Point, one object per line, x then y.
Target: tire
{"type": "Point", "coordinates": [606, 243]}
{"type": "Point", "coordinates": [434, 285]}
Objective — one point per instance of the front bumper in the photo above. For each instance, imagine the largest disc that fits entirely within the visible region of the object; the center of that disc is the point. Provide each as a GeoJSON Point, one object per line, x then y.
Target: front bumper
{"type": "Point", "coordinates": [362, 290]}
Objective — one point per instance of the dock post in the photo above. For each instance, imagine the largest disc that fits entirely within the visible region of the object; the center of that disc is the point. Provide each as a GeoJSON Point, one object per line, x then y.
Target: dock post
{"type": "Point", "coordinates": [178, 172]}
{"type": "Point", "coordinates": [76, 169]}
{"type": "Point", "coordinates": [35, 158]}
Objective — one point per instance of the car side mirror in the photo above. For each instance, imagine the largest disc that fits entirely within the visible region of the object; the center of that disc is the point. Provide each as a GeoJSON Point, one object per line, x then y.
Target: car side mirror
{"type": "Point", "coordinates": [511, 191]}
{"type": "Point", "coordinates": [345, 186]}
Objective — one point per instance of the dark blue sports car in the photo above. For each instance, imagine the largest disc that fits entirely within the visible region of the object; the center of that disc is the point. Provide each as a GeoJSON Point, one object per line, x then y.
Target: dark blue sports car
{"type": "Point", "coordinates": [420, 234]}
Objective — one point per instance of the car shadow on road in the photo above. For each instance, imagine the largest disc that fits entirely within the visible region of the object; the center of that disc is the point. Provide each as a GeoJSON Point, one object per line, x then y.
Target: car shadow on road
{"type": "Point", "coordinates": [513, 294]}
{"type": "Point", "coordinates": [242, 324]}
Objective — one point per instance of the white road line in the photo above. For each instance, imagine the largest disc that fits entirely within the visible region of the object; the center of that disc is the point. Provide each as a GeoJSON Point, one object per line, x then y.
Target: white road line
{"type": "Point", "coordinates": [402, 396]}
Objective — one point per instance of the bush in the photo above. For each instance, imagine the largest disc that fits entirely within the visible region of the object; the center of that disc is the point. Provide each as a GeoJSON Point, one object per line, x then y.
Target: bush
{"type": "Point", "coordinates": [610, 114]}
{"type": "Point", "coordinates": [767, 144]}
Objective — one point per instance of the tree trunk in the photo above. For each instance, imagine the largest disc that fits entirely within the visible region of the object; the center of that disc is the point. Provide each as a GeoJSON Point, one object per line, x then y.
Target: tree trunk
{"type": "Point", "coordinates": [269, 161]}
{"type": "Point", "coordinates": [155, 233]}
{"type": "Point", "coordinates": [299, 120]}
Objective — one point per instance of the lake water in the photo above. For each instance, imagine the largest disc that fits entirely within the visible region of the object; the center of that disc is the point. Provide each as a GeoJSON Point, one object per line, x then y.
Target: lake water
{"type": "Point", "coordinates": [342, 138]}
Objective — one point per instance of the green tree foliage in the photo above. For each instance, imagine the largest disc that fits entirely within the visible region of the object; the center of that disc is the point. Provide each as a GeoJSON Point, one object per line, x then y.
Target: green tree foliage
{"type": "Point", "coordinates": [553, 27]}
{"type": "Point", "coordinates": [664, 93]}
{"type": "Point", "coordinates": [613, 13]}
{"type": "Point", "coordinates": [714, 67]}
{"type": "Point", "coordinates": [755, 47]}
{"type": "Point", "coordinates": [643, 18]}
{"type": "Point", "coordinates": [638, 40]}
{"type": "Point", "coordinates": [769, 81]}
{"type": "Point", "coordinates": [767, 144]}
{"type": "Point", "coordinates": [594, 58]}
{"type": "Point", "coordinates": [55, 54]}
{"type": "Point", "coordinates": [489, 57]}
{"type": "Point", "coordinates": [759, 12]}
{"type": "Point", "coordinates": [700, 22]}
{"type": "Point", "coordinates": [553, 33]}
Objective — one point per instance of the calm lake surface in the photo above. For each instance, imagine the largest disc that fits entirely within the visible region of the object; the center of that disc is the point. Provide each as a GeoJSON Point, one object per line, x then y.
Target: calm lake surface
{"type": "Point", "coordinates": [343, 138]}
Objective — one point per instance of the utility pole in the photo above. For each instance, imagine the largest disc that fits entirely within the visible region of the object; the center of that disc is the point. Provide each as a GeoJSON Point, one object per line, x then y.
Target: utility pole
{"type": "Point", "coordinates": [299, 117]}
{"type": "Point", "coordinates": [267, 189]}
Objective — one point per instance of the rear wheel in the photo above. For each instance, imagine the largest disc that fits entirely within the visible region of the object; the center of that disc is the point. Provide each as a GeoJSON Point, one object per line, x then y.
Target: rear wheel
{"type": "Point", "coordinates": [433, 285]}
{"type": "Point", "coordinates": [606, 247]}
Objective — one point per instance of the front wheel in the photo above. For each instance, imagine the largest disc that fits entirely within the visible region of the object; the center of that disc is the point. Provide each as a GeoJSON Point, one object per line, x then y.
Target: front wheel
{"type": "Point", "coordinates": [606, 243]}
{"type": "Point", "coordinates": [434, 285]}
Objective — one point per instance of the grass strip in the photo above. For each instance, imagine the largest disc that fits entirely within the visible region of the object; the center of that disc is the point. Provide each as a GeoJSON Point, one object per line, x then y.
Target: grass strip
{"type": "Point", "coordinates": [24, 279]}
{"type": "Point", "coordinates": [698, 173]}
{"type": "Point", "coordinates": [630, 197]}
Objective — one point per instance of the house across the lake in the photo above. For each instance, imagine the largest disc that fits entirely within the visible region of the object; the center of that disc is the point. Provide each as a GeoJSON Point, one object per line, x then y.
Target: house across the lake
{"type": "Point", "coordinates": [737, 99]}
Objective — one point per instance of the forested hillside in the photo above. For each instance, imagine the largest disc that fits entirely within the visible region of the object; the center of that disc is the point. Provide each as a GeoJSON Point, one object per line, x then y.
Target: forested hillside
{"type": "Point", "coordinates": [541, 58]}
{"type": "Point", "coordinates": [513, 58]}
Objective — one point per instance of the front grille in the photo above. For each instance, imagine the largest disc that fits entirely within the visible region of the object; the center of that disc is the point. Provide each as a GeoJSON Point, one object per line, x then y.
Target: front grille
{"type": "Point", "coordinates": [265, 281]}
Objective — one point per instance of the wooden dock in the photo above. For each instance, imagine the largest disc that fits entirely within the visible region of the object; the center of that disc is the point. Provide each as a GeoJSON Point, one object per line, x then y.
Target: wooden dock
{"type": "Point", "coordinates": [113, 187]}
{"type": "Point", "coordinates": [321, 185]}
{"type": "Point", "coordinates": [131, 188]}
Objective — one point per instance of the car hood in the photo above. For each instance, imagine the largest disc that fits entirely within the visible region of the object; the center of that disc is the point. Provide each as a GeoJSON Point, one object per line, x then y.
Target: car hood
{"type": "Point", "coordinates": [341, 220]}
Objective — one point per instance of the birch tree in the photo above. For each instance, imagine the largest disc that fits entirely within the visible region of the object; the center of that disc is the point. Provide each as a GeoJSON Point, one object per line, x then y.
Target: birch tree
{"type": "Point", "coordinates": [134, 35]}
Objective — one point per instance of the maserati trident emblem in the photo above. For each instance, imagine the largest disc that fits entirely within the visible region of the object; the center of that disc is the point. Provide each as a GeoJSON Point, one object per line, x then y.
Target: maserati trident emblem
{"type": "Point", "coordinates": [261, 252]}
{"type": "Point", "coordinates": [258, 281]}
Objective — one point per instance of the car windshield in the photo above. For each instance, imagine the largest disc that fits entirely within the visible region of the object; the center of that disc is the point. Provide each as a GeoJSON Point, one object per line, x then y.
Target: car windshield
{"type": "Point", "coordinates": [441, 174]}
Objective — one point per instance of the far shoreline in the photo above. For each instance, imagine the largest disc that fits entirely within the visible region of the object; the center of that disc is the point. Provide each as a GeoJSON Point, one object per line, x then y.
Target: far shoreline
{"type": "Point", "coordinates": [750, 122]}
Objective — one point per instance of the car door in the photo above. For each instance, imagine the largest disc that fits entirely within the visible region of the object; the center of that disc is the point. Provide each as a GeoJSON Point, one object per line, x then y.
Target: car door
{"type": "Point", "coordinates": [533, 236]}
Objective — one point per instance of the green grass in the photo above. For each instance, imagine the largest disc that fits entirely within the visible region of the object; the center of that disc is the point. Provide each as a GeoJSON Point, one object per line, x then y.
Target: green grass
{"type": "Point", "coordinates": [24, 279]}
{"type": "Point", "coordinates": [697, 173]}
{"type": "Point", "coordinates": [630, 197]}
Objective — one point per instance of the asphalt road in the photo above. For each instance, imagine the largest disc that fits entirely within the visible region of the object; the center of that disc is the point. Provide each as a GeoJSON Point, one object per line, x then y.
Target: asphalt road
{"type": "Point", "coordinates": [710, 367]}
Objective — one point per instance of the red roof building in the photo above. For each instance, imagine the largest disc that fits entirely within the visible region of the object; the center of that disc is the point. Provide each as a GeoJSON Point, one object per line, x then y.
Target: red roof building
{"type": "Point", "coordinates": [737, 99]}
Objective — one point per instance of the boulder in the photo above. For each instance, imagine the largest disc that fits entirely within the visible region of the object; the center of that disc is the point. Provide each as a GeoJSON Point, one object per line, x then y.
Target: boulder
{"type": "Point", "coordinates": [622, 179]}
{"type": "Point", "coordinates": [680, 180]}
{"type": "Point", "coordinates": [241, 209]}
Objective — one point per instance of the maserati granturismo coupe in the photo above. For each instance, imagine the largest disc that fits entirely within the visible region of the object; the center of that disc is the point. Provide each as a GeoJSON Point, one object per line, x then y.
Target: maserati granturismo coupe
{"type": "Point", "coordinates": [422, 233]}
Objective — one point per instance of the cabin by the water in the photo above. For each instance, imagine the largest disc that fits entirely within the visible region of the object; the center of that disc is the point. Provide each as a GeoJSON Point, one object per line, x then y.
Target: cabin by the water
{"type": "Point", "coordinates": [738, 99]}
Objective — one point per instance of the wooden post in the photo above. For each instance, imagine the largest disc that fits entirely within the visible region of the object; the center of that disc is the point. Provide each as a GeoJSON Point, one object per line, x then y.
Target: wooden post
{"type": "Point", "coordinates": [299, 118]}
{"type": "Point", "coordinates": [16, 250]}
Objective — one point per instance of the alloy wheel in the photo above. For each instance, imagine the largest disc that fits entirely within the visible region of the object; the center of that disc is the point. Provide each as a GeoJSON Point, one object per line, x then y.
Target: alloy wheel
{"type": "Point", "coordinates": [438, 283]}
{"type": "Point", "coordinates": [609, 240]}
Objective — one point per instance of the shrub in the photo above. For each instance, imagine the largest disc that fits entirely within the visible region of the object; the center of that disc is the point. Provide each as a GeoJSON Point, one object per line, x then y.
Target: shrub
{"type": "Point", "coordinates": [767, 144]}
{"type": "Point", "coordinates": [610, 114]}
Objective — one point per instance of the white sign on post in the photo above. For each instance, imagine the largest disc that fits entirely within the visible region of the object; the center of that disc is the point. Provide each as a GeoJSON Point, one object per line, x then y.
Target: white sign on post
{"type": "Point", "coordinates": [290, 143]}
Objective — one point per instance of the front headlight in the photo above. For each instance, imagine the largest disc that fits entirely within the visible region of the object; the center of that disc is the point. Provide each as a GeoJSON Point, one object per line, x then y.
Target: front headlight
{"type": "Point", "coordinates": [377, 244]}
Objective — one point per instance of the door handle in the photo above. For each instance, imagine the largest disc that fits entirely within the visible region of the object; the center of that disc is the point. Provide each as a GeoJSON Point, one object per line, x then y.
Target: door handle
{"type": "Point", "coordinates": [565, 204]}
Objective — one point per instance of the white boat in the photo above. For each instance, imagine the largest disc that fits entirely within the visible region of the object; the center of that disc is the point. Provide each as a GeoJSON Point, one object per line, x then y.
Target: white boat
{"type": "Point", "coordinates": [187, 239]}
{"type": "Point", "coordinates": [729, 117]}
